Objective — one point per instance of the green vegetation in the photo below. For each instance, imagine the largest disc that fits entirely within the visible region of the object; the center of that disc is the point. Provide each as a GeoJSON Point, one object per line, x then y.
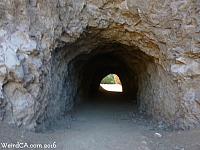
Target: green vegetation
{"type": "Point", "coordinates": [109, 79]}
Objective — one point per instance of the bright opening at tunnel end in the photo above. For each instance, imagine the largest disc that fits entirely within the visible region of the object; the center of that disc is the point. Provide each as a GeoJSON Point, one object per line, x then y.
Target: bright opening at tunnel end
{"type": "Point", "coordinates": [111, 83]}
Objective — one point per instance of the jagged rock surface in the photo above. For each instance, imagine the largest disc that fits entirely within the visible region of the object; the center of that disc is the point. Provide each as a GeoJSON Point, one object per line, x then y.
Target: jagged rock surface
{"type": "Point", "coordinates": [40, 39]}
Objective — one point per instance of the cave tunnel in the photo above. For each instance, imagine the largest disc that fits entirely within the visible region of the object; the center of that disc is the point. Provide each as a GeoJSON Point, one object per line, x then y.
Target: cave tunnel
{"type": "Point", "coordinates": [76, 74]}
{"type": "Point", "coordinates": [90, 69]}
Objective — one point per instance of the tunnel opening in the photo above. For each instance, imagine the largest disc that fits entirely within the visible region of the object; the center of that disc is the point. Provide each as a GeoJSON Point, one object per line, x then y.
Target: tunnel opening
{"type": "Point", "coordinates": [77, 70]}
{"type": "Point", "coordinates": [96, 65]}
{"type": "Point", "coordinates": [111, 83]}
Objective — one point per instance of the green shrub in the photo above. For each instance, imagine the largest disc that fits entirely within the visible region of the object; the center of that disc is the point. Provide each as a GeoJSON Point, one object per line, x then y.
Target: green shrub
{"type": "Point", "coordinates": [109, 79]}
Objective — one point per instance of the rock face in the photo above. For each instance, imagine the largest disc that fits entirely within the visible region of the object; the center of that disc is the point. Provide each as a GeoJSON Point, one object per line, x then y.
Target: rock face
{"type": "Point", "coordinates": [116, 79]}
{"type": "Point", "coordinates": [50, 51]}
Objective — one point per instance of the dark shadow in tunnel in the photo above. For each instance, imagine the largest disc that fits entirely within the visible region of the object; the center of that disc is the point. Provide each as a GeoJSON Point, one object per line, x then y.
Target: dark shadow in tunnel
{"type": "Point", "coordinates": [76, 71]}
{"type": "Point", "coordinates": [101, 66]}
{"type": "Point", "coordinates": [90, 69]}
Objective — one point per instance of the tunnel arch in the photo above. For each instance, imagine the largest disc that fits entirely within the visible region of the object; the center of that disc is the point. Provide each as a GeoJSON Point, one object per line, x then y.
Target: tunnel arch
{"type": "Point", "coordinates": [75, 67]}
{"type": "Point", "coordinates": [101, 64]}
{"type": "Point", "coordinates": [39, 44]}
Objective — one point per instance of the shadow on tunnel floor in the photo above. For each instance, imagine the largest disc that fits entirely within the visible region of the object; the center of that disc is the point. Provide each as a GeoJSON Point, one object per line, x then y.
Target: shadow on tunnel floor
{"type": "Point", "coordinates": [109, 96]}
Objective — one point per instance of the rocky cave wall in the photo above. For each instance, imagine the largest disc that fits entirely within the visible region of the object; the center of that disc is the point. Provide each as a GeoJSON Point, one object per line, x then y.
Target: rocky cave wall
{"type": "Point", "coordinates": [35, 34]}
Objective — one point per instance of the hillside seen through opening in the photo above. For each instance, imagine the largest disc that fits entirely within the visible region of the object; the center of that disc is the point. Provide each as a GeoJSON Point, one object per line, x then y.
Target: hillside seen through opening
{"type": "Point", "coordinates": [111, 83]}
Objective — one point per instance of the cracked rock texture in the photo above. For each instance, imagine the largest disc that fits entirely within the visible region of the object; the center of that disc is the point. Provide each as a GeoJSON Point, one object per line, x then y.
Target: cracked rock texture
{"type": "Point", "coordinates": [42, 43]}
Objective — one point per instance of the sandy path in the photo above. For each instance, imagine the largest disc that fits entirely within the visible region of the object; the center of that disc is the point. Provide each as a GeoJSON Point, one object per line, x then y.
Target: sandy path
{"type": "Point", "coordinates": [106, 124]}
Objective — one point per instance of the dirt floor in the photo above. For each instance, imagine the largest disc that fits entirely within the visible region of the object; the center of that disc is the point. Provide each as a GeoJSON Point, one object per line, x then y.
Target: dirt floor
{"type": "Point", "coordinates": [104, 123]}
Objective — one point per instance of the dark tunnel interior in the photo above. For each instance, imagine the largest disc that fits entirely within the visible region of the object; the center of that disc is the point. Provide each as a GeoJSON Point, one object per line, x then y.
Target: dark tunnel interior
{"type": "Point", "coordinates": [77, 71]}
{"type": "Point", "coordinates": [89, 69]}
